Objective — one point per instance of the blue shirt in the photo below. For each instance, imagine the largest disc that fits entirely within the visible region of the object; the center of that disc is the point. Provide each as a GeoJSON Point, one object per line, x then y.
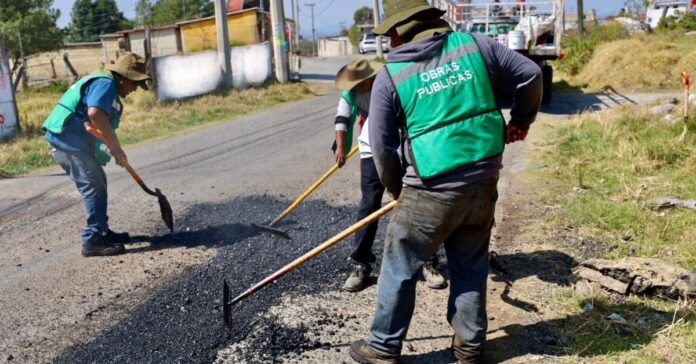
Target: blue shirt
{"type": "Point", "coordinates": [100, 93]}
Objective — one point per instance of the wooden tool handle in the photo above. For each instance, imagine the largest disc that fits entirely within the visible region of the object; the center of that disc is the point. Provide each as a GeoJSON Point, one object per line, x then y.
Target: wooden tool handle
{"type": "Point", "coordinates": [311, 189]}
{"type": "Point", "coordinates": [316, 251]}
{"type": "Point", "coordinates": [92, 129]}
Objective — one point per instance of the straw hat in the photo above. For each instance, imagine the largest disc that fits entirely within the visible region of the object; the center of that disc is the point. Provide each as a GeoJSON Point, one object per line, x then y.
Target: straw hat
{"type": "Point", "coordinates": [132, 67]}
{"type": "Point", "coordinates": [355, 72]}
{"type": "Point", "coordinates": [399, 11]}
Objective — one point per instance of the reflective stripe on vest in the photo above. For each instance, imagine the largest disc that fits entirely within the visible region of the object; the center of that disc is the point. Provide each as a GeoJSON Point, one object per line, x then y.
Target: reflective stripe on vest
{"type": "Point", "coordinates": [452, 119]}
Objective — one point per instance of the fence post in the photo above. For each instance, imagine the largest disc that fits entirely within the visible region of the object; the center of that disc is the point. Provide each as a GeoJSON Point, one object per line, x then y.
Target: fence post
{"type": "Point", "coordinates": [70, 67]}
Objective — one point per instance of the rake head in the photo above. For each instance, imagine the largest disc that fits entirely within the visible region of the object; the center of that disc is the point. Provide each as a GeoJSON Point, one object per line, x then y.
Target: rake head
{"type": "Point", "coordinates": [272, 230]}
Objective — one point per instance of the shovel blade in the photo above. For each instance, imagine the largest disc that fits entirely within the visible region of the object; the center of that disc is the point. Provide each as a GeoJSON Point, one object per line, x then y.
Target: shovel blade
{"type": "Point", "coordinates": [272, 230]}
{"type": "Point", "coordinates": [165, 209]}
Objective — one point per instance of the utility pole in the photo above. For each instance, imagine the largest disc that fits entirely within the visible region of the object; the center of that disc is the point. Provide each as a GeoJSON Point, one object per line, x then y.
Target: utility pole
{"type": "Point", "coordinates": [314, 31]}
{"type": "Point", "coordinates": [378, 38]}
{"type": "Point", "coordinates": [581, 18]}
{"type": "Point", "coordinates": [280, 54]}
{"type": "Point", "coordinates": [296, 18]}
{"type": "Point", "coordinates": [223, 42]}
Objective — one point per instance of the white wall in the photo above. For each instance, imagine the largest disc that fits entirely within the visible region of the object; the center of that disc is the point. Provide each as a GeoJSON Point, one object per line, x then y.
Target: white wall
{"type": "Point", "coordinates": [8, 112]}
{"type": "Point", "coordinates": [182, 76]}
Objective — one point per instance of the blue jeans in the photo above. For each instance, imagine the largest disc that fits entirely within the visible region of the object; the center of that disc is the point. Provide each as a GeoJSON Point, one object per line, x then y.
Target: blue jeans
{"type": "Point", "coordinates": [418, 227]}
{"type": "Point", "coordinates": [90, 179]}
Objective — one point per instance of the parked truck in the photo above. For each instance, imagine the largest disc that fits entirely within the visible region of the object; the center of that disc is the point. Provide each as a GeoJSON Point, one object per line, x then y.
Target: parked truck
{"type": "Point", "coordinates": [532, 28]}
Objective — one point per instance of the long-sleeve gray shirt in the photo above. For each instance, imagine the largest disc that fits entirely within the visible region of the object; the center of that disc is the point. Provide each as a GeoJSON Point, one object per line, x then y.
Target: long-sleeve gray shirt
{"type": "Point", "coordinates": [508, 71]}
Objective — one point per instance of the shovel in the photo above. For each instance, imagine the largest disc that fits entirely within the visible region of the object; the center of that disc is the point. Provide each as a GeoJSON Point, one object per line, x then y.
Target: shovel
{"type": "Point", "coordinates": [165, 207]}
{"type": "Point", "coordinates": [270, 227]}
{"type": "Point", "coordinates": [227, 304]}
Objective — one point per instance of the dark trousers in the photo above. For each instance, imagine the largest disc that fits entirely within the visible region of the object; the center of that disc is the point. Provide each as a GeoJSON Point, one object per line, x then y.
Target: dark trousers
{"type": "Point", "coordinates": [371, 201]}
{"type": "Point", "coordinates": [418, 227]}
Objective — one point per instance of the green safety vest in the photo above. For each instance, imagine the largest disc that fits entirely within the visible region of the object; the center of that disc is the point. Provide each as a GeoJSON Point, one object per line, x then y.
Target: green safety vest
{"type": "Point", "coordinates": [452, 119]}
{"type": "Point", "coordinates": [351, 99]}
{"type": "Point", "coordinates": [58, 119]}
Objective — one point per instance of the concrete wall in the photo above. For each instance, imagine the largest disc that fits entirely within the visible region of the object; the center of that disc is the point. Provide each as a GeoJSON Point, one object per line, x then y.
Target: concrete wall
{"type": "Point", "coordinates": [183, 76]}
{"type": "Point", "coordinates": [84, 57]}
{"type": "Point", "coordinates": [8, 110]}
{"type": "Point", "coordinates": [201, 34]}
{"type": "Point", "coordinates": [333, 47]}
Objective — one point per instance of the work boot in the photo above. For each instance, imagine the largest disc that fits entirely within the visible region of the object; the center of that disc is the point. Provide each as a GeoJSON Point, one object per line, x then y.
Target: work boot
{"type": "Point", "coordinates": [364, 354]}
{"type": "Point", "coordinates": [433, 278]}
{"type": "Point", "coordinates": [358, 278]}
{"type": "Point", "coordinates": [465, 355]}
{"type": "Point", "coordinates": [102, 247]}
{"type": "Point", "coordinates": [117, 237]}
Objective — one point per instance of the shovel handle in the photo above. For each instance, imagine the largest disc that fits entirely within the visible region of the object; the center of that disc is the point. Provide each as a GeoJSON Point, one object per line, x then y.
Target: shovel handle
{"type": "Point", "coordinates": [311, 189]}
{"type": "Point", "coordinates": [99, 135]}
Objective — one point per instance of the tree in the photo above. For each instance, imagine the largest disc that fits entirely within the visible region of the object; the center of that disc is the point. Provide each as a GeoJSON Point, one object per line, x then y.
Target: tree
{"type": "Point", "coordinates": [635, 8]}
{"type": "Point", "coordinates": [363, 16]}
{"type": "Point", "coordinates": [91, 18]}
{"type": "Point", "coordinates": [32, 20]}
{"type": "Point", "coordinates": [143, 13]}
{"type": "Point", "coordinates": [171, 11]}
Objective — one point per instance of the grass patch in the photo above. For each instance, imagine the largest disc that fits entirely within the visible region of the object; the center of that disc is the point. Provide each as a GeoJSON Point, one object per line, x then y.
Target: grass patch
{"type": "Point", "coordinates": [607, 55]}
{"type": "Point", "coordinates": [144, 118]}
{"type": "Point", "coordinates": [623, 160]}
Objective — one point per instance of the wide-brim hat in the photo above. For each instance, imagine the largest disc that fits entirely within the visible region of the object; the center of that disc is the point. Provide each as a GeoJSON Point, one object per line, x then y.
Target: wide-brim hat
{"type": "Point", "coordinates": [132, 67]}
{"type": "Point", "coordinates": [355, 72]}
{"type": "Point", "coordinates": [398, 11]}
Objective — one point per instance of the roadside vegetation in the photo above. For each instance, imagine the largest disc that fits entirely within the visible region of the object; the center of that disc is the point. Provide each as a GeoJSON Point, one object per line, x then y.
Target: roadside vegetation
{"type": "Point", "coordinates": [609, 56]}
{"type": "Point", "coordinates": [602, 173]}
{"type": "Point", "coordinates": [144, 118]}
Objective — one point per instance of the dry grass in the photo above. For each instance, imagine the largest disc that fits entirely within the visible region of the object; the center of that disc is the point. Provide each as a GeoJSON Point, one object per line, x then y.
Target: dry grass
{"type": "Point", "coordinates": [144, 118]}
{"type": "Point", "coordinates": [648, 62]}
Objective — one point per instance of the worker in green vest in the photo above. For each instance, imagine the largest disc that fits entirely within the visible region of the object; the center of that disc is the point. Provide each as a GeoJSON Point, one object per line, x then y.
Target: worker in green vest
{"type": "Point", "coordinates": [436, 100]}
{"type": "Point", "coordinates": [94, 99]}
{"type": "Point", "coordinates": [355, 80]}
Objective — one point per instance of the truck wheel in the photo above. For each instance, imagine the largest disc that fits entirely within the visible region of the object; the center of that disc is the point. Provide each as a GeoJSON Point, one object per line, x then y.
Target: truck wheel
{"type": "Point", "coordinates": [547, 76]}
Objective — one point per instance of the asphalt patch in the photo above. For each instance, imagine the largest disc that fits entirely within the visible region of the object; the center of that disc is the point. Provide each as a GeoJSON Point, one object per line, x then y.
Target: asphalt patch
{"type": "Point", "coordinates": [183, 323]}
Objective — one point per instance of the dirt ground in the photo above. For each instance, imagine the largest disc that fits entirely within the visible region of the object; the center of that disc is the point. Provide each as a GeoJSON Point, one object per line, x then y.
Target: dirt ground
{"type": "Point", "coordinates": [56, 306]}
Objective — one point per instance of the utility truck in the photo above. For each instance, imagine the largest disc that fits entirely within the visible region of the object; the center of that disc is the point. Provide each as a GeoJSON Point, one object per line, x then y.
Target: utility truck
{"type": "Point", "coordinates": [532, 28]}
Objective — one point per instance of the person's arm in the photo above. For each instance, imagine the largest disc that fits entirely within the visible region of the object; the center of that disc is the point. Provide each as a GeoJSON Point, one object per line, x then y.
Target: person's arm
{"type": "Point", "coordinates": [99, 118]}
{"type": "Point", "coordinates": [99, 98]}
{"type": "Point", "coordinates": [510, 71]}
{"type": "Point", "coordinates": [342, 123]}
{"type": "Point", "coordinates": [384, 134]}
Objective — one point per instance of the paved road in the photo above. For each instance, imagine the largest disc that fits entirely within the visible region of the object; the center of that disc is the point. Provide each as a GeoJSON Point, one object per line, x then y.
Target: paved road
{"type": "Point", "coordinates": [48, 289]}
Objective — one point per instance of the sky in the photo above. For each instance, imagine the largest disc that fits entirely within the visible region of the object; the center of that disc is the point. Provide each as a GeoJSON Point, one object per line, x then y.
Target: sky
{"type": "Point", "coordinates": [330, 14]}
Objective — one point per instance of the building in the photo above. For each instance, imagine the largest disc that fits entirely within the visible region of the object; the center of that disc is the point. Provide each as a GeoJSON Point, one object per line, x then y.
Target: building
{"type": "Point", "coordinates": [244, 27]}
{"type": "Point", "coordinates": [165, 40]}
{"type": "Point", "coordinates": [661, 9]}
{"type": "Point", "coordinates": [238, 5]}
{"type": "Point", "coordinates": [333, 47]}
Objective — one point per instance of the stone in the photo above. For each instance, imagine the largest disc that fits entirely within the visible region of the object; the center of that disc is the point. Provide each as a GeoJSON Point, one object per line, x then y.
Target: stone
{"type": "Point", "coordinates": [661, 110]}
{"type": "Point", "coordinates": [670, 119]}
{"type": "Point", "coordinates": [665, 202]}
{"type": "Point", "coordinates": [641, 276]}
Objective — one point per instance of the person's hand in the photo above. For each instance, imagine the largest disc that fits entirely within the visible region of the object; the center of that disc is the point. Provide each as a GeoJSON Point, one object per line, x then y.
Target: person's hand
{"type": "Point", "coordinates": [395, 196]}
{"type": "Point", "coordinates": [340, 157]}
{"type": "Point", "coordinates": [119, 156]}
{"type": "Point", "coordinates": [515, 134]}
